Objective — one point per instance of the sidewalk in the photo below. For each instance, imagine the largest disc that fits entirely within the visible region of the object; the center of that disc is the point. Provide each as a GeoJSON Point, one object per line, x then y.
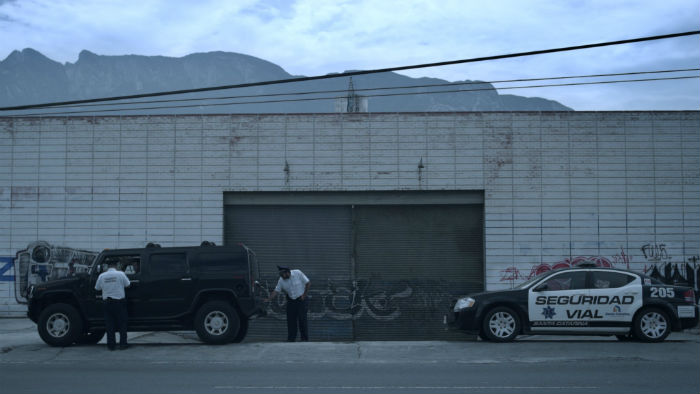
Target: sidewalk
{"type": "Point", "coordinates": [20, 341]}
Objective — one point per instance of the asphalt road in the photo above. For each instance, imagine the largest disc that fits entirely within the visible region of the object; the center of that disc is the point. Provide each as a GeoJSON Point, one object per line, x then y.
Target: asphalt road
{"type": "Point", "coordinates": [178, 363]}
{"type": "Point", "coordinates": [604, 376]}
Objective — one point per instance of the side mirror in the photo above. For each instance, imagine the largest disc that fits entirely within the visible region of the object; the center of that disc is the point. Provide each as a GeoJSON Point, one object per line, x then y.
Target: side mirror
{"type": "Point", "coordinates": [542, 287]}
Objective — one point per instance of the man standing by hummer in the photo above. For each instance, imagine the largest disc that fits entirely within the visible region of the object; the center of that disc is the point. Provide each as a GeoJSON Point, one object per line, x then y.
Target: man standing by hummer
{"type": "Point", "coordinates": [296, 285]}
{"type": "Point", "coordinates": [112, 284]}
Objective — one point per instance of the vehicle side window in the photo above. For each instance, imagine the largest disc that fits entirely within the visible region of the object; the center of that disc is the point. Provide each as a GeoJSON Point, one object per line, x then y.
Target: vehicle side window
{"type": "Point", "coordinates": [609, 280]}
{"type": "Point", "coordinates": [565, 281]}
{"type": "Point", "coordinates": [221, 263]}
{"type": "Point", "coordinates": [170, 265]}
{"type": "Point", "coordinates": [130, 264]}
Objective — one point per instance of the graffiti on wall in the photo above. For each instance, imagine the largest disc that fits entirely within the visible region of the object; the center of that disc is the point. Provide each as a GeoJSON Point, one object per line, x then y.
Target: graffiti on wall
{"type": "Point", "coordinates": [665, 268]}
{"type": "Point", "coordinates": [41, 262]}
{"type": "Point", "coordinates": [655, 252]}
{"type": "Point", "coordinates": [514, 275]}
{"type": "Point", "coordinates": [363, 298]}
{"type": "Point", "coordinates": [658, 264]}
{"type": "Point", "coordinates": [6, 264]}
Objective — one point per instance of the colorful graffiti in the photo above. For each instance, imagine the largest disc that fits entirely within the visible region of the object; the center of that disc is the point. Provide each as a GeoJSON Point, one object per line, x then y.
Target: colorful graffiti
{"type": "Point", "coordinates": [514, 275]}
{"type": "Point", "coordinates": [658, 264]}
{"type": "Point", "coordinates": [41, 262]}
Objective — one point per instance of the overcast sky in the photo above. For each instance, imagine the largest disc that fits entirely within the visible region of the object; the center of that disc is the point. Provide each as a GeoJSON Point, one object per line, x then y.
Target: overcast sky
{"type": "Point", "coordinates": [314, 37]}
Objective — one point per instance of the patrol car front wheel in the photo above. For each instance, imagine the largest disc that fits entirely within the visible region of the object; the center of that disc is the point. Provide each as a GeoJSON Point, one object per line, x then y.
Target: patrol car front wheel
{"type": "Point", "coordinates": [652, 325]}
{"type": "Point", "coordinates": [217, 322]}
{"type": "Point", "coordinates": [60, 325]}
{"type": "Point", "coordinates": [501, 324]}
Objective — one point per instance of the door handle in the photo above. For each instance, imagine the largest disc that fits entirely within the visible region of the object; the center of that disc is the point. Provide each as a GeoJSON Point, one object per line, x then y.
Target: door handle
{"type": "Point", "coordinates": [186, 279]}
{"type": "Point", "coordinates": [134, 281]}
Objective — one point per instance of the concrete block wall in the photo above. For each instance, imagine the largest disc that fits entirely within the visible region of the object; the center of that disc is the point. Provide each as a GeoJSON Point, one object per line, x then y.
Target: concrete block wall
{"type": "Point", "coordinates": [621, 188]}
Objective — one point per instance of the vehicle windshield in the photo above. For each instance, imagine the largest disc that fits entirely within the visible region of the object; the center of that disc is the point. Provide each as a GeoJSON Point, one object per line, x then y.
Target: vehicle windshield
{"type": "Point", "coordinates": [93, 266]}
{"type": "Point", "coordinates": [532, 280]}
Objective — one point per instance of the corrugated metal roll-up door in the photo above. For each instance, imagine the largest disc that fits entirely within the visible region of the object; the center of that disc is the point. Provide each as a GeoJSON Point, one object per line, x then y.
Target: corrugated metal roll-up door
{"type": "Point", "coordinates": [314, 239]}
{"type": "Point", "coordinates": [411, 262]}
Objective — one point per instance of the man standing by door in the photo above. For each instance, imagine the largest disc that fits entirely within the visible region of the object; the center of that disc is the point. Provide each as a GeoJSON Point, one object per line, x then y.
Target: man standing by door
{"type": "Point", "coordinates": [112, 284]}
{"type": "Point", "coordinates": [296, 286]}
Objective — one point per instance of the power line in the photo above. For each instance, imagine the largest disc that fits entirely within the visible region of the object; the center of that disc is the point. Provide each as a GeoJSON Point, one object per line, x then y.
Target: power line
{"type": "Point", "coordinates": [447, 84]}
{"type": "Point", "coordinates": [353, 73]}
{"type": "Point", "coordinates": [376, 95]}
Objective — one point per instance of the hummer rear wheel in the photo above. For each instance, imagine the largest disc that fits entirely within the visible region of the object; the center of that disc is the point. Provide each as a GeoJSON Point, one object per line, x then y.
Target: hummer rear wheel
{"type": "Point", "coordinates": [217, 322]}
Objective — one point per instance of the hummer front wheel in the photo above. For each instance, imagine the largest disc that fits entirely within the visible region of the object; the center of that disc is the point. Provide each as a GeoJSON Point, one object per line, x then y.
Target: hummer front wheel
{"type": "Point", "coordinates": [60, 325]}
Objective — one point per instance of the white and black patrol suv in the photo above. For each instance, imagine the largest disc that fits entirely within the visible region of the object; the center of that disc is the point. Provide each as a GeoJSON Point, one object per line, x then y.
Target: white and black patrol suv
{"type": "Point", "coordinates": [584, 300]}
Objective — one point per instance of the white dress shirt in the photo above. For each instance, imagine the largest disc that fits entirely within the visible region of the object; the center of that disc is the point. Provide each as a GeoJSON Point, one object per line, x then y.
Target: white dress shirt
{"type": "Point", "coordinates": [112, 284]}
{"type": "Point", "coordinates": [294, 286]}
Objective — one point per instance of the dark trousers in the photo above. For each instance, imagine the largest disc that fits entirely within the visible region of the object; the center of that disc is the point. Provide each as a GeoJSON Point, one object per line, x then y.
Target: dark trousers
{"type": "Point", "coordinates": [296, 316]}
{"type": "Point", "coordinates": [115, 318]}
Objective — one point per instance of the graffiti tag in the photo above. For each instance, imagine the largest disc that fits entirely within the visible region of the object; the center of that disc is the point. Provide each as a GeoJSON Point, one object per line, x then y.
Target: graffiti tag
{"type": "Point", "coordinates": [363, 298]}
{"type": "Point", "coordinates": [41, 262]}
{"type": "Point", "coordinates": [6, 263]}
{"type": "Point", "coordinates": [655, 252]}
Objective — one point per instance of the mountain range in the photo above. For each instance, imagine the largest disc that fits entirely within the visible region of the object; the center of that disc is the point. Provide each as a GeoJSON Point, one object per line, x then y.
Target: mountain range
{"type": "Point", "coordinates": [29, 77]}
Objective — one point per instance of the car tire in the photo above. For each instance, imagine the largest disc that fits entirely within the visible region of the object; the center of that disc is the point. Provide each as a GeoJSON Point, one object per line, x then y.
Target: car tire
{"type": "Point", "coordinates": [91, 337]}
{"type": "Point", "coordinates": [242, 331]}
{"type": "Point", "coordinates": [60, 325]}
{"type": "Point", "coordinates": [501, 324]}
{"type": "Point", "coordinates": [651, 325]}
{"type": "Point", "coordinates": [482, 335]}
{"type": "Point", "coordinates": [217, 322]}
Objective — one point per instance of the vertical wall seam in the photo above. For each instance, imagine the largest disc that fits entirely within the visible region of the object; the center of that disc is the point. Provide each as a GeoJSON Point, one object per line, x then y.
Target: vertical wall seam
{"type": "Point", "coordinates": [570, 175]}
{"type": "Point", "coordinates": [653, 170]}
{"type": "Point", "coordinates": [597, 172]}
{"type": "Point", "coordinates": [680, 135]}
{"type": "Point", "coordinates": [65, 180]}
{"type": "Point", "coordinates": [201, 178]}
{"type": "Point", "coordinates": [541, 162]}
{"type": "Point", "coordinates": [627, 213]}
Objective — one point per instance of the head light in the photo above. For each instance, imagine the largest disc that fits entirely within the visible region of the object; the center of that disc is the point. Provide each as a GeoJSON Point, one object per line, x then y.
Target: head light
{"type": "Point", "coordinates": [464, 303]}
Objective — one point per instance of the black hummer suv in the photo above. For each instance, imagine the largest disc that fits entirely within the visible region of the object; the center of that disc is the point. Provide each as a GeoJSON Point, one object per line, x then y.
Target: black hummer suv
{"type": "Point", "coordinates": [206, 288]}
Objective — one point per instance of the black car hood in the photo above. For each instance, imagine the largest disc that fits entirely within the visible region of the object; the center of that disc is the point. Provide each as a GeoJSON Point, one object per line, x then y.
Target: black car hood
{"type": "Point", "coordinates": [63, 283]}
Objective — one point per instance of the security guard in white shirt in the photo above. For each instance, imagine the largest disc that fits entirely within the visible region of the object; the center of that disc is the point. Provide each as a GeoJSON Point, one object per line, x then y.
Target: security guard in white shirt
{"type": "Point", "coordinates": [296, 285]}
{"type": "Point", "coordinates": [112, 284]}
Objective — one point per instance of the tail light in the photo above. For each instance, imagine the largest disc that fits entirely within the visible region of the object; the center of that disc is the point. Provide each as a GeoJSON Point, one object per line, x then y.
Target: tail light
{"type": "Point", "coordinates": [689, 296]}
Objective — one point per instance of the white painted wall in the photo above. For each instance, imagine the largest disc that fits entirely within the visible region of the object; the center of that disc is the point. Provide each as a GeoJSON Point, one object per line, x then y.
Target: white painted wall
{"type": "Point", "coordinates": [623, 187]}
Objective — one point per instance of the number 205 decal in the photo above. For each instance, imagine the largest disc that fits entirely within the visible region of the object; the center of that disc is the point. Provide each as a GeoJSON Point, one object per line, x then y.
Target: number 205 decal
{"type": "Point", "coordinates": [662, 292]}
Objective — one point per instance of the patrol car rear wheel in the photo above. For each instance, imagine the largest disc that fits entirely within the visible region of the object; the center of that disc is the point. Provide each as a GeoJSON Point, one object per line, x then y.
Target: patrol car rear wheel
{"type": "Point", "coordinates": [652, 325]}
{"type": "Point", "coordinates": [60, 325]}
{"type": "Point", "coordinates": [217, 322]}
{"type": "Point", "coordinates": [501, 324]}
